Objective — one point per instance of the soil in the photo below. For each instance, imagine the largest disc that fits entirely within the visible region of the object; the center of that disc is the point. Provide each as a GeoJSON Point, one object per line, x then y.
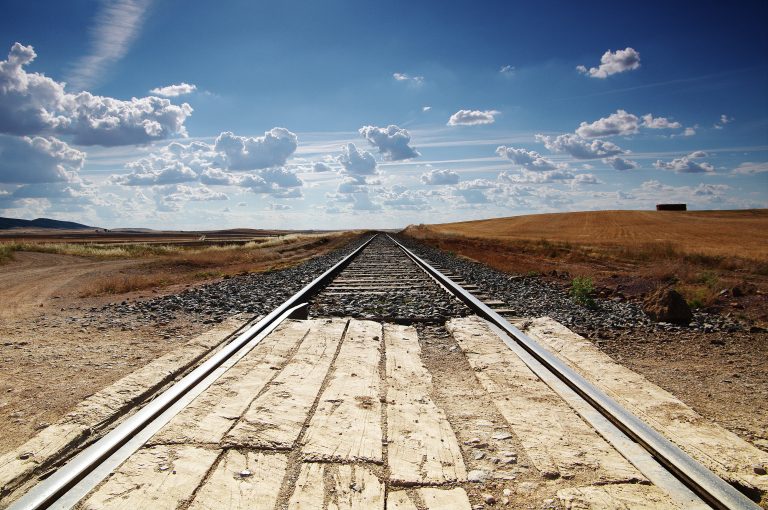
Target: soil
{"type": "Point", "coordinates": [50, 360]}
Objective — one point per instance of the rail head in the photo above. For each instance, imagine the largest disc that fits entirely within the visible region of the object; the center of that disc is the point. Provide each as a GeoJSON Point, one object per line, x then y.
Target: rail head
{"type": "Point", "coordinates": [713, 489]}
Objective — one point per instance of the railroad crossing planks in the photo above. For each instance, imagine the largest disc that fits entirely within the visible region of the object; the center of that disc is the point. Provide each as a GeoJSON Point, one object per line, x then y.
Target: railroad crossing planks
{"type": "Point", "coordinates": [243, 480]}
{"type": "Point", "coordinates": [556, 439]}
{"type": "Point", "coordinates": [213, 413]}
{"type": "Point", "coordinates": [422, 448]}
{"type": "Point", "coordinates": [720, 450]}
{"type": "Point", "coordinates": [275, 419]}
{"type": "Point", "coordinates": [346, 425]}
{"type": "Point", "coordinates": [347, 486]}
{"type": "Point", "coordinates": [163, 476]}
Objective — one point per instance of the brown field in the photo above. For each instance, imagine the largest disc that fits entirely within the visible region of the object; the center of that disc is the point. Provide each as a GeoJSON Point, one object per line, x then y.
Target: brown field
{"type": "Point", "coordinates": [631, 252]}
{"type": "Point", "coordinates": [718, 233]}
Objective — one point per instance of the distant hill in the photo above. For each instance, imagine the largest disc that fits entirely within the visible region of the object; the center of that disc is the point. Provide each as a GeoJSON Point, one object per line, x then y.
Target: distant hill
{"type": "Point", "coordinates": [8, 223]}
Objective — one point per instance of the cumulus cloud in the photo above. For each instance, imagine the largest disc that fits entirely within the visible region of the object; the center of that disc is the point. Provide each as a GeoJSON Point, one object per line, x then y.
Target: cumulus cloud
{"type": "Point", "coordinates": [426, 108]}
{"type": "Point", "coordinates": [689, 131]}
{"type": "Point", "coordinates": [251, 163]}
{"type": "Point", "coordinates": [619, 123]}
{"type": "Point", "coordinates": [392, 142]}
{"type": "Point", "coordinates": [278, 207]}
{"type": "Point", "coordinates": [33, 104]}
{"type": "Point", "coordinates": [651, 122]}
{"type": "Point", "coordinates": [530, 160]}
{"type": "Point", "coordinates": [750, 168]}
{"type": "Point", "coordinates": [116, 27]}
{"type": "Point", "coordinates": [401, 198]}
{"type": "Point", "coordinates": [357, 162]}
{"type": "Point", "coordinates": [180, 193]}
{"type": "Point", "coordinates": [686, 165]}
{"type": "Point", "coordinates": [507, 70]}
{"type": "Point", "coordinates": [403, 77]}
{"type": "Point", "coordinates": [319, 166]}
{"type": "Point", "coordinates": [437, 177]}
{"type": "Point", "coordinates": [580, 148]}
{"type": "Point", "coordinates": [28, 160]}
{"type": "Point", "coordinates": [585, 179]}
{"type": "Point", "coordinates": [620, 163]}
{"type": "Point", "coordinates": [612, 63]}
{"type": "Point", "coordinates": [472, 117]}
{"type": "Point", "coordinates": [248, 153]}
{"type": "Point", "coordinates": [174, 90]}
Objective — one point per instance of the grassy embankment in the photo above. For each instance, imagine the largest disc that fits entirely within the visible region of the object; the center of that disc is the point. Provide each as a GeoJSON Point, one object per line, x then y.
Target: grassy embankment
{"type": "Point", "coordinates": [161, 265]}
{"type": "Point", "coordinates": [700, 252]}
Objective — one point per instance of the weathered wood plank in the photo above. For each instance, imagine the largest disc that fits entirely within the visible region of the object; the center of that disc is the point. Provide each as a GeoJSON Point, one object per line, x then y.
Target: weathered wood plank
{"type": "Point", "coordinates": [275, 419]}
{"type": "Point", "coordinates": [615, 497]}
{"type": "Point", "coordinates": [558, 442]}
{"type": "Point", "coordinates": [431, 499]}
{"type": "Point", "coordinates": [422, 447]}
{"type": "Point", "coordinates": [102, 407]}
{"type": "Point", "coordinates": [242, 480]}
{"type": "Point", "coordinates": [352, 487]}
{"type": "Point", "coordinates": [158, 477]}
{"type": "Point", "coordinates": [208, 418]}
{"type": "Point", "coordinates": [436, 499]}
{"type": "Point", "coordinates": [346, 426]}
{"type": "Point", "coordinates": [720, 450]}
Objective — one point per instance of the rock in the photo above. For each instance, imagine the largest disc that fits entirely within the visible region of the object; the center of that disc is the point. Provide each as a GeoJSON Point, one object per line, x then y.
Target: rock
{"type": "Point", "coordinates": [477, 476]}
{"type": "Point", "coordinates": [759, 469]}
{"type": "Point", "coordinates": [489, 499]}
{"type": "Point", "coordinates": [667, 305]}
{"type": "Point", "coordinates": [478, 455]}
{"type": "Point", "coordinates": [507, 492]}
{"type": "Point", "coordinates": [502, 436]}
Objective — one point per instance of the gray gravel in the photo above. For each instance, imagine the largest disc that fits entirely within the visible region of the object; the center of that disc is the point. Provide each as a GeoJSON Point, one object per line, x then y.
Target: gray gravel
{"type": "Point", "coordinates": [535, 297]}
{"type": "Point", "coordinates": [256, 293]}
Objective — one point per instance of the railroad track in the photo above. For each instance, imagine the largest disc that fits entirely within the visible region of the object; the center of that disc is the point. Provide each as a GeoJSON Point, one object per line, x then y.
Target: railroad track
{"type": "Point", "coordinates": [387, 382]}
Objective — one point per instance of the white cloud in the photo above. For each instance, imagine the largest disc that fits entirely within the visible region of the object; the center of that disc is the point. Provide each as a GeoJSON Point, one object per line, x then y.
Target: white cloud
{"type": "Point", "coordinates": [403, 77]}
{"type": "Point", "coordinates": [357, 162]}
{"type": "Point", "coordinates": [174, 90]}
{"type": "Point", "coordinates": [507, 70]}
{"type": "Point", "coordinates": [619, 123]}
{"type": "Point", "coordinates": [401, 198]}
{"type": "Point", "coordinates": [750, 168]}
{"type": "Point", "coordinates": [472, 117]}
{"type": "Point", "coordinates": [319, 166]}
{"type": "Point", "coordinates": [698, 154]}
{"type": "Point", "coordinates": [620, 163]}
{"type": "Point", "coordinates": [426, 108]}
{"type": "Point", "coordinates": [117, 25]}
{"type": "Point", "coordinates": [180, 193]}
{"type": "Point", "coordinates": [27, 160]}
{"type": "Point", "coordinates": [724, 119]}
{"type": "Point", "coordinates": [217, 177]}
{"type": "Point", "coordinates": [437, 177]}
{"type": "Point", "coordinates": [175, 172]}
{"type": "Point", "coordinates": [689, 131]}
{"type": "Point", "coordinates": [651, 122]}
{"type": "Point", "coordinates": [580, 148]}
{"type": "Point", "coordinates": [585, 179]}
{"type": "Point", "coordinates": [392, 141]}
{"type": "Point", "coordinates": [686, 165]}
{"type": "Point", "coordinates": [33, 104]}
{"type": "Point", "coordinates": [537, 177]}
{"type": "Point", "coordinates": [278, 207]}
{"type": "Point", "coordinates": [248, 153]}
{"type": "Point", "coordinates": [612, 63]}
{"type": "Point", "coordinates": [530, 160]}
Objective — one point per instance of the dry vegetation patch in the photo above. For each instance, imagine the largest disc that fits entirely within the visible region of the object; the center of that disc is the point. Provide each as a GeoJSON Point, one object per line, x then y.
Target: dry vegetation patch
{"type": "Point", "coordinates": [628, 253]}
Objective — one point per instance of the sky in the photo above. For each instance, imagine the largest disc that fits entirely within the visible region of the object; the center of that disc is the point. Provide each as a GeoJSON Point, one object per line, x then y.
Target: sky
{"type": "Point", "coordinates": [186, 115]}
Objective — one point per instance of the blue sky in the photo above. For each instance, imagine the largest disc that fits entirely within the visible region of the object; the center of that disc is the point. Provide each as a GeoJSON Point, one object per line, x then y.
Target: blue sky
{"type": "Point", "coordinates": [337, 114]}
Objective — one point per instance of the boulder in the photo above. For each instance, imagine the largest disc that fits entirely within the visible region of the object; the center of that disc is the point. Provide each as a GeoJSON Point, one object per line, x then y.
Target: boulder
{"type": "Point", "coordinates": [667, 305]}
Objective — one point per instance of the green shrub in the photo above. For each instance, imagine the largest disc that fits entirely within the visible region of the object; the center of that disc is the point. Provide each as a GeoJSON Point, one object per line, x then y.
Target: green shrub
{"type": "Point", "coordinates": [582, 288]}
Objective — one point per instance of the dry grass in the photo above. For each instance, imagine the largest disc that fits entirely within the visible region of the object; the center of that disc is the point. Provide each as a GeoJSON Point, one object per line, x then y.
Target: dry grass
{"type": "Point", "coordinates": [181, 266]}
{"type": "Point", "coordinates": [697, 233]}
{"type": "Point", "coordinates": [700, 252]}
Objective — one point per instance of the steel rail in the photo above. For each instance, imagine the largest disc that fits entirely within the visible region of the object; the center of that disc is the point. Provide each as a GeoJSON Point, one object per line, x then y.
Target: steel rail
{"type": "Point", "coordinates": [49, 490]}
{"type": "Point", "coordinates": [713, 489]}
